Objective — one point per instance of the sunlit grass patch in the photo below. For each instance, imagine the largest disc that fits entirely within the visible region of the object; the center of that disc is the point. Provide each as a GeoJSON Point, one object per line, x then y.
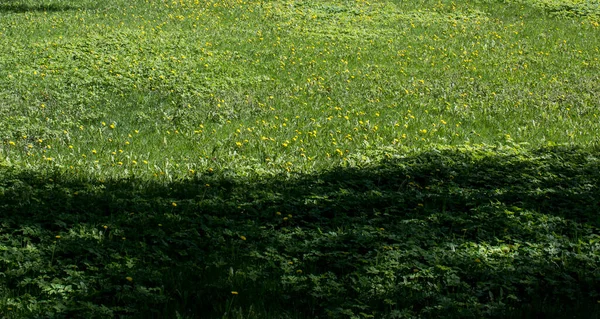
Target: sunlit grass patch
{"type": "Point", "coordinates": [589, 8]}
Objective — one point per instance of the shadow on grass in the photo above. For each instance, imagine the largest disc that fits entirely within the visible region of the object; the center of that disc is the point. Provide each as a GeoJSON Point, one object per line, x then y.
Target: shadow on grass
{"type": "Point", "coordinates": [455, 233]}
{"type": "Point", "coordinates": [16, 7]}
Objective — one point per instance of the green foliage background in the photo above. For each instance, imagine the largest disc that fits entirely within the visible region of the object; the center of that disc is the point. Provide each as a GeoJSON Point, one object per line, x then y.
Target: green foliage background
{"type": "Point", "coordinates": [299, 159]}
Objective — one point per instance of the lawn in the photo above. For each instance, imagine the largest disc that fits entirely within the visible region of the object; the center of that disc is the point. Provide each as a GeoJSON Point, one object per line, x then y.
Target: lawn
{"type": "Point", "coordinates": [299, 159]}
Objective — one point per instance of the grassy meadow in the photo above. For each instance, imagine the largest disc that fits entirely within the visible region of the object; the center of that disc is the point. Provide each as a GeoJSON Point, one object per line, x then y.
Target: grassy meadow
{"type": "Point", "coordinates": [299, 159]}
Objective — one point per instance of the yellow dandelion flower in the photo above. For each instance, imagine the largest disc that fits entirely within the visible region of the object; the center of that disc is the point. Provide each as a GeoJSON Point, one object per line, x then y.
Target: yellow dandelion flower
{"type": "Point", "coordinates": [243, 237]}
{"type": "Point", "coordinates": [234, 292]}
{"type": "Point", "coordinates": [57, 237]}
{"type": "Point", "coordinates": [174, 204]}
{"type": "Point", "coordinates": [129, 278]}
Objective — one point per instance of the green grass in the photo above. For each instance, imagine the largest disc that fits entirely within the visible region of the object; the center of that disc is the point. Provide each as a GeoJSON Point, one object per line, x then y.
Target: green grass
{"type": "Point", "coordinates": [343, 159]}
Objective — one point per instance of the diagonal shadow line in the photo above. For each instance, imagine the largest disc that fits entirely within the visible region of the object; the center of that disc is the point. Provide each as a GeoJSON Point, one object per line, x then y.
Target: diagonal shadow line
{"type": "Point", "coordinates": [23, 8]}
{"type": "Point", "coordinates": [475, 189]}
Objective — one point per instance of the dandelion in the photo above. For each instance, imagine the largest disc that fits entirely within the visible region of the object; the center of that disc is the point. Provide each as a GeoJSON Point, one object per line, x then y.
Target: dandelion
{"type": "Point", "coordinates": [174, 204]}
{"type": "Point", "coordinates": [57, 237]}
{"type": "Point", "coordinates": [234, 292]}
{"type": "Point", "coordinates": [477, 260]}
{"type": "Point", "coordinates": [129, 279]}
{"type": "Point", "coordinates": [243, 237]}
